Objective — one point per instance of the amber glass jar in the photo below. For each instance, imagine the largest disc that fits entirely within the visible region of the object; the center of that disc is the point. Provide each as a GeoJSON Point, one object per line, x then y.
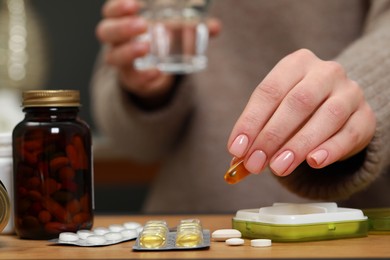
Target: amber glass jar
{"type": "Point", "coordinates": [53, 189]}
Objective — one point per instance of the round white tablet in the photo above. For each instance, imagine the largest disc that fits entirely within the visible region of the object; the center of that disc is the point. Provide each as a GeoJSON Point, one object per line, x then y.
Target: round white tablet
{"type": "Point", "coordinates": [84, 233]}
{"type": "Point", "coordinates": [68, 237]}
{"type": "Point", "coordinates": [131, 225]}
{"type": "Point", "coordinates": [234, 241]}
{"type": "Point", "coordinates": [223, 234]}
{"type": "Point", "coordinates": [116, 228]}
{"type": "Point", "coordinates": [96, 240]}
{"type": "Point", "coordinates": [113, 236]}
{"type": "Point", "coordinates": [129, 233]}
{"type": "Point", "coordinates": [261, 242]}
{"type": "Point", "coordinates": [100, 230]}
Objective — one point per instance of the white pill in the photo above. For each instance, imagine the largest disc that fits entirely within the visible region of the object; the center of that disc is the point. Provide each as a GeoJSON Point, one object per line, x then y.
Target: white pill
{"type": "Point", "coordinates": [234, 241]}
{"type": "Point", "coordinates": [261, 242]}
{"type": "Point", "coordinates": [84, 233]}
{"type": "Point", "coordinates": [223, 234]}
{"type": "Point", "coordinates": [113, 236]}
{"type": "Point", "coordinates": [116, 228]}
{"type": "Point", "coordinates": [129, 233]}
{"type": "Point", "coordinates": [100, 230]}
{"type": "Point", "coordinates": [131, 225]}
{"type": "Point", "coordinates": [68, 237]}
{"type": "Point", "coordinates": [96, 240]}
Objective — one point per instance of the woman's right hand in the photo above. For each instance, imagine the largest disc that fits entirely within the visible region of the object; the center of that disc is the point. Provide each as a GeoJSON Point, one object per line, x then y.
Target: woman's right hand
{"type": "Point", "coordinates": [118, 29]}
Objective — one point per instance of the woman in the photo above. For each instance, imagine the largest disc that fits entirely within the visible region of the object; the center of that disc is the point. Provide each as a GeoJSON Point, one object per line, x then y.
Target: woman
{"type": "Point", "coordinates": [297, 90]}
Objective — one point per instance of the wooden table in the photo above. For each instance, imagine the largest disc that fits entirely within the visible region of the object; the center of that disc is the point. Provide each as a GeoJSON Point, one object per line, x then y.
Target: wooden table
{"type": "Point", "coordinates": [373, 246]}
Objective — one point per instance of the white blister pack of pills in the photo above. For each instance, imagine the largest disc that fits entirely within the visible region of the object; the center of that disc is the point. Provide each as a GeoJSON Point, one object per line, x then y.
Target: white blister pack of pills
{"type": "Point", "coordinates": [101, 236]}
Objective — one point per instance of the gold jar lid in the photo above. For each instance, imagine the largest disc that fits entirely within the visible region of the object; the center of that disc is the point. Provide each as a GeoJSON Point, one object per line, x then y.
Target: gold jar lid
{"type": "Point", "coordinates": [5, 207]}
{"type": "Point", "coordinates": [51, 98]}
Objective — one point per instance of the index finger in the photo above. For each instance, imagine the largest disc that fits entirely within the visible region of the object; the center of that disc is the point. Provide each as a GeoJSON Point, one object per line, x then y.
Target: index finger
{"type": "Point", "coordinates": [265, 100]}
{"type": "Point", "coordinates": [117, 8]}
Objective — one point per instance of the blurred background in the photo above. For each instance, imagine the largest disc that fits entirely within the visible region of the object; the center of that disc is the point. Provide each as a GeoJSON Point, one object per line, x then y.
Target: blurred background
{"type": "Point", "coordinates": [52, 45]}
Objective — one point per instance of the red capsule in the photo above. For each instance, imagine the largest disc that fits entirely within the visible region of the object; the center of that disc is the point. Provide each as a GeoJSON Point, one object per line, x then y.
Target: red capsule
{"type": "Point", "coordinates": [44, 216]}
{"type": "Point", "coordinates": [57, 210]}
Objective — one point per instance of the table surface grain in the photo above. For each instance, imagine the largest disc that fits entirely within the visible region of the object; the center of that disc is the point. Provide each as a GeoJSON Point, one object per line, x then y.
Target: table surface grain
{"type": "Point", "coordinates": [372, 246]}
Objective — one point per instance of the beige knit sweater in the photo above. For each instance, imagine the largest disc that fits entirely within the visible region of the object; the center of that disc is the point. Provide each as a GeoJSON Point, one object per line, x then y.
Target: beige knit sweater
{"type": "Point", "coordinates": [189, 135]}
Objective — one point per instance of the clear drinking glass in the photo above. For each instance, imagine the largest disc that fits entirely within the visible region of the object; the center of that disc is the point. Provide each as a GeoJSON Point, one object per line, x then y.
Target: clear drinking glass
{"type": "Point", "coordinates": [178, 35]}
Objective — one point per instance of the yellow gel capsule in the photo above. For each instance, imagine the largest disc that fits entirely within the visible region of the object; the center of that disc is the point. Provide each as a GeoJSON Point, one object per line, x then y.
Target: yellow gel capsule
{"type": "Point", "coordinates": [156, 223]}
{"type": "Point", "coordinates": [188, 224]}
{"type": "Point", "coordinates": [152, 239]}
{"type": "Point", "coordinates": [189, 238]}
{"type": "Point", "coordinates": [236, 173]}
{"type": "Point", "coordinates": [190, 221]}
{"type": "Point", "coordinates": [154, 234]}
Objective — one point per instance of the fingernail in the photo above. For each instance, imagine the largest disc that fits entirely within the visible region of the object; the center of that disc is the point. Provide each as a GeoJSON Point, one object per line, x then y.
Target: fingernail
{"type": "Point", "coordinates": [282, 162]}
{"type": "Point", "coordinates": [319, 156]}
{"type": "Point", "coordinates": [129, 5]}
{"type": "Point", "coordinates": [139, 24]}
{"type": "Point", "coordinates": [239, 146]}
{"type": "Point", "coordinates": [256, 162]}
{"type": "Point", "coordinates": [140, 48]}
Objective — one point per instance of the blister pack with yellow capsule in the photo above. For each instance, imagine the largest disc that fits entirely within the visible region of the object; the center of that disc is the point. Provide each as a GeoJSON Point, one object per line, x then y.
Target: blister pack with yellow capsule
{"type": "Point", "coordinates": [188, 234]}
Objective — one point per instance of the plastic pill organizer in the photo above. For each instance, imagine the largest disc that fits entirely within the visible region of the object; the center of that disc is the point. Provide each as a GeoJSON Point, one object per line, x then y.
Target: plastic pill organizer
{"type": "Point", "coordinates": [101, 236]}
{"type": "Point", "coordinates": [289, 222]}
{"type": "Point", "coordinates": [378, 219]}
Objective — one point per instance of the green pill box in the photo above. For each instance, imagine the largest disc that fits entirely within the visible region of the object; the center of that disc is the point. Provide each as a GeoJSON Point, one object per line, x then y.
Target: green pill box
{"type": "Point", "coordinates": [378, 219]}
{"type": "Point", "coordinates": [289, 222]}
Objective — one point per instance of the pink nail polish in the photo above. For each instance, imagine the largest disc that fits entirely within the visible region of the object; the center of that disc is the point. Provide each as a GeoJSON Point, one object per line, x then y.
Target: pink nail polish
{"type": "Point", "coordinates": [319, 156]}
{"type": "Point", "coordinates": [282, 162]}
{"type": "Point", "coordinates": [239, 146]}
{"type": "Point", "coordinates": [256, 162]}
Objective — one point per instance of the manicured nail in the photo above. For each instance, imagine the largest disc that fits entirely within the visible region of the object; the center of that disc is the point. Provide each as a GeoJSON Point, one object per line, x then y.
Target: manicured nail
{"type": "Point", "coordinates": [140, 48]}
{"type": "Point", "coordinates": [239, 146]}
{"type": "Point", "coordinates": [319, 156]}
{"type": "Point", "coordinates": [139, 24]}
{"type": "Point", "coordinates": [256, 162]}
{"type": "Point", "coordinates": [282, 162]}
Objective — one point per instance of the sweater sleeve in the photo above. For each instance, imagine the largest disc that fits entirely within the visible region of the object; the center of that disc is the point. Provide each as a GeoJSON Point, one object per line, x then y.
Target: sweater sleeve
{"type": "Point", "coordinates": [142, 135]}
{"type": "Point", "coordinates": [367, 61]}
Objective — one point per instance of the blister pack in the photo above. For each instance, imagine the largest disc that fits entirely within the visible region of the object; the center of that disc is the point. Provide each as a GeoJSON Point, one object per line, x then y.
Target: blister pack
{"type": "Point", "coordinates": [101, 236]}
{"type": "Point", "coordinates": [156, 235]}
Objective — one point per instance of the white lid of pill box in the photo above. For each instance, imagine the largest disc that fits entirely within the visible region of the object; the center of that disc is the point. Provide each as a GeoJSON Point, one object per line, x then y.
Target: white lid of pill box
{"type": "Point", "coordinates": [295, 214]}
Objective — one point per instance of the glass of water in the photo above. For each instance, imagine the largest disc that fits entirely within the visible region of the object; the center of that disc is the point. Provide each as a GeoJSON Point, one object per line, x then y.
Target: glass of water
{"type": "Point", "coordinates": [177, 34]}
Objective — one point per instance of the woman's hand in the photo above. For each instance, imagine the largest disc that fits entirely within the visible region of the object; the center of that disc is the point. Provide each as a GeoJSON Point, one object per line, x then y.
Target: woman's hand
{"type": "Point", "coordinates": [304, 109]}
{"type": "Point", "coordinates": [119, 28]}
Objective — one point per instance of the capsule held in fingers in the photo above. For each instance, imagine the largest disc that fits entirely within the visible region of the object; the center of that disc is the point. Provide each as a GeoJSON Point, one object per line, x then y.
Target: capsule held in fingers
{"type": "Point", "coordinates": [236, 173]}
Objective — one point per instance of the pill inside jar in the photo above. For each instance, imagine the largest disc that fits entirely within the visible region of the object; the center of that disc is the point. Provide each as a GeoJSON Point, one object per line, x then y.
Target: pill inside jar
{"type": "Point", "coordinates": [236, 173]}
